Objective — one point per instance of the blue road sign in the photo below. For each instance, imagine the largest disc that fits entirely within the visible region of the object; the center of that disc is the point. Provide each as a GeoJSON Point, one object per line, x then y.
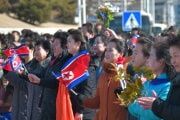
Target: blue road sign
{"type": "Point", "coordinates": [131, 19]}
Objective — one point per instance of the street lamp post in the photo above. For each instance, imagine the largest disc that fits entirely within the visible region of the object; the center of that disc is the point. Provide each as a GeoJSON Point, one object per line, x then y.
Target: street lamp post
{"type": "Point", "coordinates": [79, 13]}
{"type": "Point", "coordinates": [84, 11]}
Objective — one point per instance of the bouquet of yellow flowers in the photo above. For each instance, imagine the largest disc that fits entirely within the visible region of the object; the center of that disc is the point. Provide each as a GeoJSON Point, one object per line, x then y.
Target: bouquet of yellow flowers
{"type": "Point", "coordinates": [105, 14]}
{"type": "Point", "coordinates": [133, 88]}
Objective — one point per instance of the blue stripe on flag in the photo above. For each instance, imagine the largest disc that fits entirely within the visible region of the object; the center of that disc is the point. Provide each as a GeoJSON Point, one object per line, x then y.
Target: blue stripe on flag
{"type": "Point", "coordinates": [79, 80]}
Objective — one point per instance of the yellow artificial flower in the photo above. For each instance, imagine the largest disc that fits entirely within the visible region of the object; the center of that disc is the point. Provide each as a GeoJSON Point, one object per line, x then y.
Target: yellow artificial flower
{"type": "Point", "coordinates": [133, 88]}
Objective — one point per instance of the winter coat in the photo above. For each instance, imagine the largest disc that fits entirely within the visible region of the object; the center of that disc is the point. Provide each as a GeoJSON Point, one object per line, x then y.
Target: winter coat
{"type": "Point", "coordinates": [19, 101]}
{"type": "Point", "coordinates": [161, 86]}
{"type": "Point", "coordinates": [50, 84]}
{"type": "Point", "coordinates": [35, 91]}
{"type": "Point", "coordinates": [169, 109]}
{"type": "Point", "coordinates": [104, 98]}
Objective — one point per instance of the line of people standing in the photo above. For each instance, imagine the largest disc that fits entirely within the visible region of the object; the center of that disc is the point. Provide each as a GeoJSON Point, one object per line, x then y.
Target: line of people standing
{"type": "Point", "coordinates": [35, 89]}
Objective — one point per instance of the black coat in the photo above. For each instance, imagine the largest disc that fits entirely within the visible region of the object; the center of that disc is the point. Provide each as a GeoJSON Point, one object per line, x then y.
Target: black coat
{"type": "Point", "coordinates": [34, 90]}
{"type": "Point", "coordinates": [50, 84]}
{"type": "Point", "coordinates": [170, 108]}
{"type": "Point", "coordinates": [86, 88]}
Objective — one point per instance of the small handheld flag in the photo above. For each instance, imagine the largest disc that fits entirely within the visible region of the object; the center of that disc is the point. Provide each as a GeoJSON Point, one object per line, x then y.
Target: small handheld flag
{"type": "Point", "coordinates": [134, 40]}
{"type": "Point", "coordinates": [21, 50]}
{"type": "Point", "coordinates": [14, 63]}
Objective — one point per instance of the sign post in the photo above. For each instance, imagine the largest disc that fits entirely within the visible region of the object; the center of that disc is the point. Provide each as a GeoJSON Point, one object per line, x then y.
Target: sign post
{"type": "Point", "coordinates": [131, 19]}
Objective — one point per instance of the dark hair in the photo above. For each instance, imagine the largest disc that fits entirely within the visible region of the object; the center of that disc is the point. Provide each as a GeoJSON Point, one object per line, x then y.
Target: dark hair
{"type": "Point", "coordinates": [120, 47]}
{"type": "Point", "coordinates": [45, 45]}
{"type": "Point", "coordinates": [78, 36]}
{"type": "Point", "coordinates": [162, 52]}
{"type": "Point", "coordinates": [89, 27]}
{"type": "Point", "coordinates": [3, 39]}
{"type": "Point", "coordinates": [29, 42]}
{"type": "Point", "coordinates": [165, 33]}
{"type": "Point", "coordinates": [62, 36]}
{"type": "Point", "coordinates": [16, 32]}
{"type": "Point", "coordinates": [147, 44]}
{"type": "Point", "coordinates": [103, 38]}
{"type": "Point", "coordinates": [27, 33]}
{"type": "Point", "coordinates": [99, 31]}
{"type": "Point", "coordinates": [135, 29]}
{"type": "Point", "coordinates": [174, 41]}
{"type": "Point", "coordinates": [172, 29]}
{"type": "Point", "coordinates": [47, 36]}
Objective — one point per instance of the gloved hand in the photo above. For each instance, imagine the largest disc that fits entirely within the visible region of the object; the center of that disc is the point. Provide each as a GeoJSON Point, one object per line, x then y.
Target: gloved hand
{"type": "Point", "coordinates": [118, 90]}
{"type": "Point", "coordinates": [80, 98]}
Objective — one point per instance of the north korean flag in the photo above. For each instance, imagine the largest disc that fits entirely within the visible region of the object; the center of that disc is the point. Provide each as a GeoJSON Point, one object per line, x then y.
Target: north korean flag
{"type": "Point", "coordinates": [14, 63]}
{"type": "Point", "coordinates": [75, 70]}
{"type": "Point", "coordinates": [21, 50]}
{"type": "Point", "coordinates": [8, 52]}
{"type": "Point", "coordinates": [134, 40]}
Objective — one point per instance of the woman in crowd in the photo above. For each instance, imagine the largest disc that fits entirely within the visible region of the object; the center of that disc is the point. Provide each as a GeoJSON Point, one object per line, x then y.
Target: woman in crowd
{"type": "Point", "coordinates": [49, 82]}
{"type": "Point", "coordinates": [16, 38]}
{"type": "Point", "coordinates": [167, 109]}
{"type": "Point", "coordinates": [98, 49]}
{"type": "Point", "coordinates": [36, 66]}
{"type": "Point", "coordinates": [139, 58]}
{"type": "Point", "coordinates": [159, 63]}
{"type": "Point", "coordinates": [104, 97]}
{"type": "Point", "coordinates": [19, 103]}
{"type": "Point", "coordinates": [76, 44]}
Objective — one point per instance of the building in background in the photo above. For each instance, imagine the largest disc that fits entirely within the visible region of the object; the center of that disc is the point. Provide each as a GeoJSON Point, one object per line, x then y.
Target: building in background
{"type": "Point", "coordinates": [177, 13]}
{"type": "Point", "coordinates": [162, 11]}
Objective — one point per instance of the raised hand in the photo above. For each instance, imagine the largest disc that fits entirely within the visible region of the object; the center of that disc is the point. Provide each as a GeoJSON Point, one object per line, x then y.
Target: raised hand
{"type": "Point", "coordinates": [146, 102]}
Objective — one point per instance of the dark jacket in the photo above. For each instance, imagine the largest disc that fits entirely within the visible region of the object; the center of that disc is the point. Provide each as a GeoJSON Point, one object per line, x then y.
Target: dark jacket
{"type": "Point", "coordinates": [86, 88]}
{"type": "Point", "coordinates": [50, 84]}
{"type": "Point", "coordinates": [170, 108]}
{"type": "Point", "coordinates": [35, 91]}
{"type": "Point", "coordinates": [19, 102]}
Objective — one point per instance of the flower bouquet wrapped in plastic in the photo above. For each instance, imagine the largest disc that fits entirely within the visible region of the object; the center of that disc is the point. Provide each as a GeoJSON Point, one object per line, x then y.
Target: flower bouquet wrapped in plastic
{"type": "Point", "coordinates": [105, 14]}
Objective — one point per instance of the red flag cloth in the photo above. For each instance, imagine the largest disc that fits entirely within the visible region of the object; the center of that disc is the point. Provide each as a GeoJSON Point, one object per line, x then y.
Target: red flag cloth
{"type": "Point", "coordinates": [14, 63]}
{"type": "Point", "coordinates": [8, 52]}
{"type": "Point", "coordinates": [63, 103]}
{"type": "Point", "coordinates": [71, 74]}
{"type": "Point", "coordinates": [21, 50]}
{"type": "Point", "coordinates": [7, 66]}
{"type": "Point", "coordinates": [134, 40]}
{"type": "Point", "coordinates": [74, 70]}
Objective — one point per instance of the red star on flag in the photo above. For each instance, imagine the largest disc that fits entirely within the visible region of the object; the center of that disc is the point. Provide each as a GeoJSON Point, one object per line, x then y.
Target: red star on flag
{"type": "Point", "coordinates": [68, 75]}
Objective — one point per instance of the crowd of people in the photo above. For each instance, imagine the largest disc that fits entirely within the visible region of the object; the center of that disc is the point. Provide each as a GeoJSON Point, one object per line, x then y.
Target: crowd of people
{"type": "Point", "coordinates": [33, 92]}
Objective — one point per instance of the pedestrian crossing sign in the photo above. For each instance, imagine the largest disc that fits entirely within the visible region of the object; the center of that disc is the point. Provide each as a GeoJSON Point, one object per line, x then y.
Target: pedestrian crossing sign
{"type": "Point", "coordinates": [131, 19]}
